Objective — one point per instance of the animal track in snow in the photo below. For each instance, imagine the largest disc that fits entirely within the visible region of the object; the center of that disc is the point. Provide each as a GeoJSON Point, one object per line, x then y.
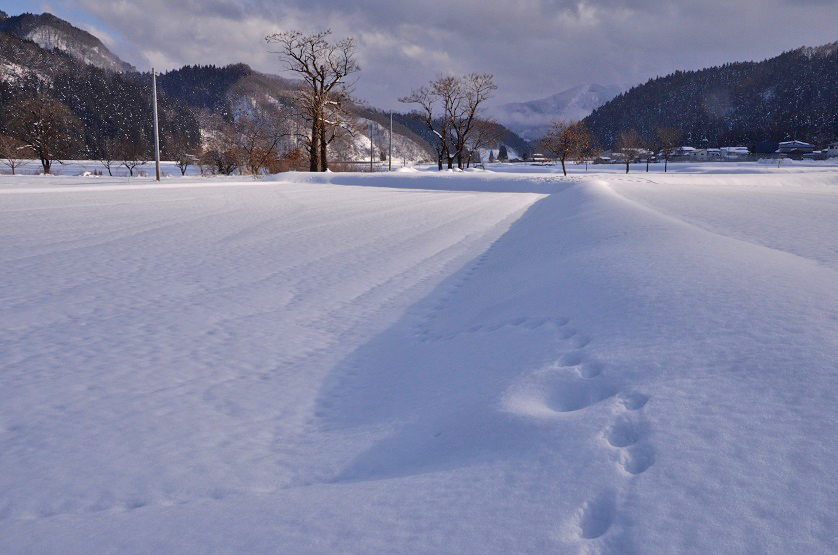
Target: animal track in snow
{"type": "Point", "coordinates": [624, 433]}
{"type": "Point", "coordinates": [573, 358]}
{"type": "Point", "coordinates": [597, 515]}
{"type": "Point", "coordinates": [576, 395]}
{"type": "Point", "coordinates": [636, 459]}
{"type": "Point", "coordinates": [589, 370]}
{"type": "Point", "coordinates": [580, 341]}
{"type": "Point", "coordinates": [634, 401]}
{"type": "Point", "coordinates": [630, 436]}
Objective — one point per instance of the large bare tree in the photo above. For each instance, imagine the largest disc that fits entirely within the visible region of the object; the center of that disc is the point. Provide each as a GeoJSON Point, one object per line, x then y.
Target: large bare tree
{"type": "Point", "coordinates": [325, 68]}
{"type": "Point", "coordinates": [45, 125]}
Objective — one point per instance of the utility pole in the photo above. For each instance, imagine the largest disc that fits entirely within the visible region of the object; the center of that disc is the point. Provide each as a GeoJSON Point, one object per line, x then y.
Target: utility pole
{"type": "Point", "coordinates": [371, 153]}
{"type": "Point", "coordinates": [156, 129]}
{"type": "Point", "coordinates": [390, 154]}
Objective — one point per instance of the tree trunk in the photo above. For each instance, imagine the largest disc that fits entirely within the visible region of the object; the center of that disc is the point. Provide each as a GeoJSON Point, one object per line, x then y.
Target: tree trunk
{"type": "Point", "coordinates": [439, 160]}
{"type": "Point", "coordinates": [47, 164]}
{"type": "Point", "coordinates": [314, 147]}
{"type": "Point", "coordinates": [628, 163]}
{"type": "Point", "coordinates": [324, 162]}
{"type": "Point", "coordinates": [564, 171]}
{"type": "Point", "coordinates": [665, 164]}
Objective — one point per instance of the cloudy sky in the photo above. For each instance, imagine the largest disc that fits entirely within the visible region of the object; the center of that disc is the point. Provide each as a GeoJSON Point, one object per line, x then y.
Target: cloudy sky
{"type": "Point", "coordinates": [534, 48]}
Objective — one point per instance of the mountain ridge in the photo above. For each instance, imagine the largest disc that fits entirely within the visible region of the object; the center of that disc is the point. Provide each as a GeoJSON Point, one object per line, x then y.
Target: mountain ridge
{"type": "Point", "coordinates": [51, 32]}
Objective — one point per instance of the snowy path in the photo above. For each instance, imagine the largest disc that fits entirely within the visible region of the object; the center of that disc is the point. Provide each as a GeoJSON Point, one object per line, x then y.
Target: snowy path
{"type": "Point", "coordinates": [417, 363]}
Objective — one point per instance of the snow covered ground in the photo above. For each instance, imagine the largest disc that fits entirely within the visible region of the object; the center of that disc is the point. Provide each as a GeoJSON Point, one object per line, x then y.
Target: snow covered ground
{"type": "Point", "coordinates": [415, 362]}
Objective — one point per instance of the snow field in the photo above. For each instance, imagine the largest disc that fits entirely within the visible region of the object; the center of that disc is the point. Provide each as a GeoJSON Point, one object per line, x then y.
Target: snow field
{"type": "Point", "coordinates": [419, 363]}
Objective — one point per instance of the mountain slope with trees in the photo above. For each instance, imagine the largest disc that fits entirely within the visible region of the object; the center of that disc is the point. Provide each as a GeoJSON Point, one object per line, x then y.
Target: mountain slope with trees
{"type": "Point", "coordinates": [756, 104]}
{"type": "Point", "coordinates": [204, 109]}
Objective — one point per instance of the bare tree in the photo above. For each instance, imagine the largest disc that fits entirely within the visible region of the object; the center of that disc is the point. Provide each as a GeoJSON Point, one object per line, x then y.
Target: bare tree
{"type": "Point", "coordinates": [45, 125]}
{"type": "Point", "coordinates": [484, 134]}
{"type": "Point", "coordinates": [325, 68]}
{"type": "Point", "coordinates": [181, 150]}
{"type": "Point", "coordinates": [589, 149]}
{"type": "Point", "coordinates": [668, 138]}
{"type": "Point", "coordinates": [221, 154]}
{"type": "Point", "coordinates": [134, 152]}
{"type": "Point", "coordinates": [439, 124]}
{"type": "Point", "coordinates": [109, 152]}
{"type": "Point", "coordinates": [471, 92]}
{"type": "Point", "coordinates": [14, 153]}
{"type": "Point", "coordinates": [629, 145]}
{"type": "Point", "coordinates": [258, 138]}
{"type": "Point", "coordinates": [450, 108]}
{"type": "Point", "coordinates": [567, 141]}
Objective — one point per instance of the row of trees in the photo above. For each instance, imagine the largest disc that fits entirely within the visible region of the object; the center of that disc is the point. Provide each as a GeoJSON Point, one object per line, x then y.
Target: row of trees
{"type": "Point", "coordinates": [566, 140]}
{"type": "Point", "coordinates": [94, 114]}
{"type": "Point", "coordinates": [254, 142]}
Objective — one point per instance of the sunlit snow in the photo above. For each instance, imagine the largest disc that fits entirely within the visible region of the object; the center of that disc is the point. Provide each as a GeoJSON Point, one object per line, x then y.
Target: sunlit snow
{"type": "Point", "coordinates": [506, 361]}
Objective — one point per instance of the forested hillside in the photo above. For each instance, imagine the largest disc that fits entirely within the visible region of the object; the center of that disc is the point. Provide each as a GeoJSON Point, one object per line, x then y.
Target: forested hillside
{"type": "Point", "coordinates": [108, 107]}
{"type": "Point", "coordinates": [792, 96]}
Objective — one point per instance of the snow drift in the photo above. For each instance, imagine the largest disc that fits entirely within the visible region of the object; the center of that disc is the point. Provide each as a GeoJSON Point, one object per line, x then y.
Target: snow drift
{"type": "Point", "coordinates": [421, 363]}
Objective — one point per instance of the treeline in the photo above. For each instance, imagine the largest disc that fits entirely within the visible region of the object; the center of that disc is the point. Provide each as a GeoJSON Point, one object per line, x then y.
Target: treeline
{"type": "Point", "coordinates": [792, 96]}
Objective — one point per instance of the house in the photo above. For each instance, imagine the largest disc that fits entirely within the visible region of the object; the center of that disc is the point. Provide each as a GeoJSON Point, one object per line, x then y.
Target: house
{"type": "Point", "coordinates": [794, 148]}
{"type": "Point", "coordinates": [682, 152]}
{"type": "Point", "coordinates": [832, 150]}
{"type": "Point", "coordinates": [734, 152]}
{"type": "Point", "coordinates": [538, 158]}
{"type": "Point", "coordinates": [705, 154]}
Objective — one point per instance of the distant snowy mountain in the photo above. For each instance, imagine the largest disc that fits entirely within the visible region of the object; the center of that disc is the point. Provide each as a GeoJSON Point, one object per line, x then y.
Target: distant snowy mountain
{"type": "Point", "coordinates": [531, 119]}
{"type": "Point", "coordinates": [50, 32]}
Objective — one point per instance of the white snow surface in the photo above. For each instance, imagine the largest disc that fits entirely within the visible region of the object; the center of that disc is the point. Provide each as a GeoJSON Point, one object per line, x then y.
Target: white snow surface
{"type": "Point", "coordinates": [413, 362]}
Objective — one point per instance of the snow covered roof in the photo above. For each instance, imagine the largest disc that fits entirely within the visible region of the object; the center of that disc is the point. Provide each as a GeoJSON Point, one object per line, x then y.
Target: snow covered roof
{"type": "Point", "coordinates": [791, 144]}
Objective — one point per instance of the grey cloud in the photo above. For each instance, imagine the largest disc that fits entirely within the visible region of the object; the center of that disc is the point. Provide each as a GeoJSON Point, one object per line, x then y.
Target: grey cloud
{"type": "Point", "coordinates": [533, 47]}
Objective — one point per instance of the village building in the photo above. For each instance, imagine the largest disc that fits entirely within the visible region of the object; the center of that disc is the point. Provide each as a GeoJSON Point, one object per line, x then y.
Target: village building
{"type": "Point", "coordinates": [794, 148]}
{"type": "Point", "coordinates": [734, 152]}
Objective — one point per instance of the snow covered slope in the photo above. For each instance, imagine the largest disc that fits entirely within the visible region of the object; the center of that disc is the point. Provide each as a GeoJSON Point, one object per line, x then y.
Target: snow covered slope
{"type": "Point", "coordinates": [50, 32]}
{"type": "Point", "coordinates": [531, 119]}
{"type": "Point", "coordinates": [421, 363]}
